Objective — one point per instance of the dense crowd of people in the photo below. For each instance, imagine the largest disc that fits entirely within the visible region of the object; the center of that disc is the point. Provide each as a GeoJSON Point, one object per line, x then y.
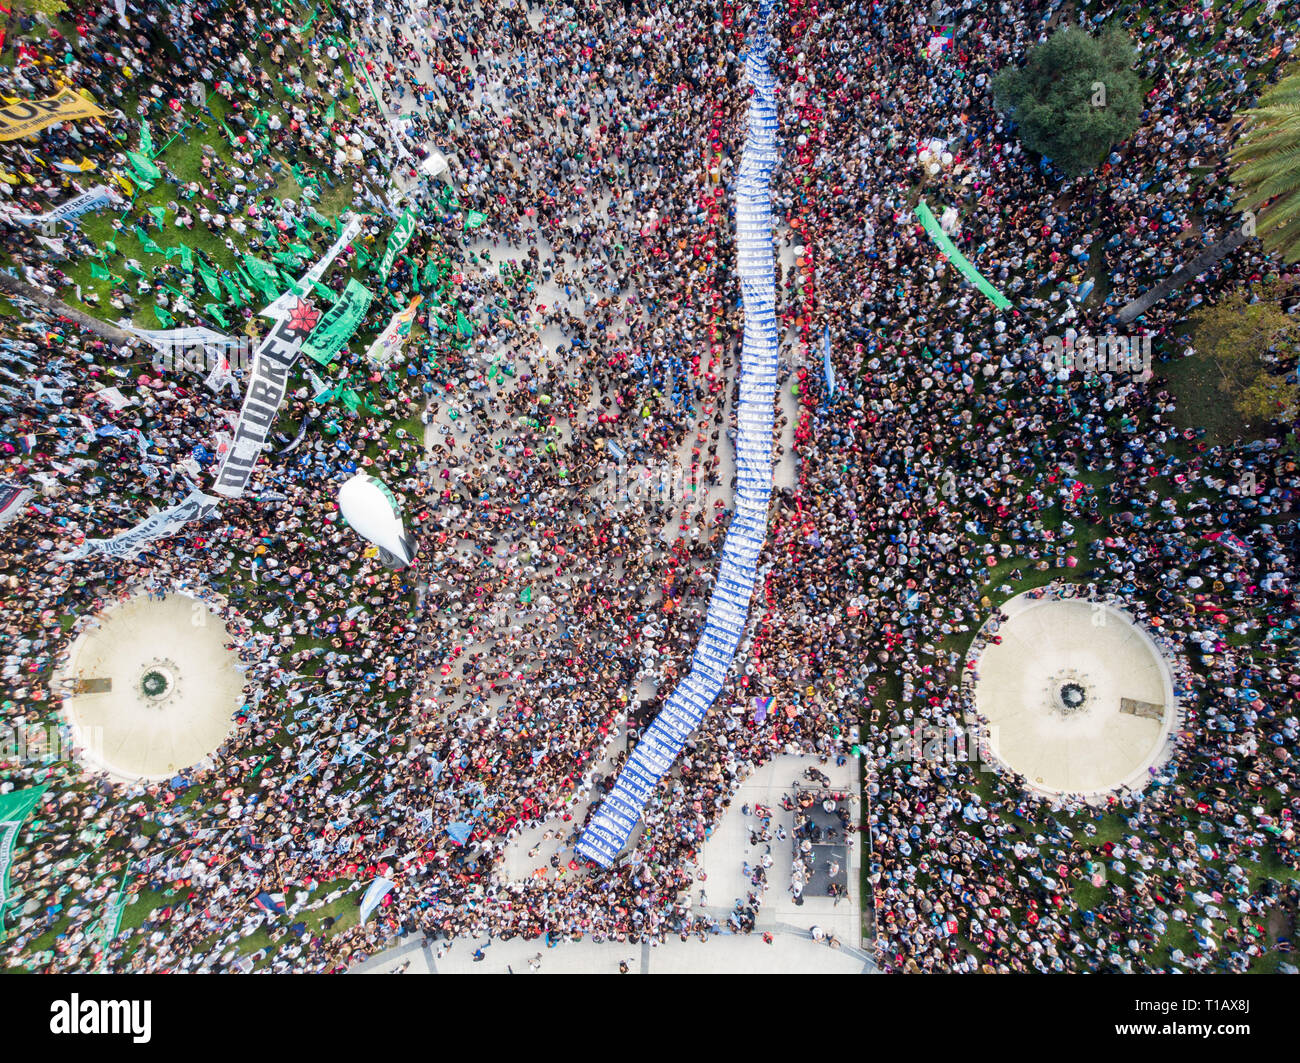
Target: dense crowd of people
{"type": "Point", "coordinates": [492, 688]}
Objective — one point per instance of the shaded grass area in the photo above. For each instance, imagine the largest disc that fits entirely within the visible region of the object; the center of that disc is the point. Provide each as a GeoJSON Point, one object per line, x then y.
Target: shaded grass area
{"type": "Point", "coordinates": [1201, 404]}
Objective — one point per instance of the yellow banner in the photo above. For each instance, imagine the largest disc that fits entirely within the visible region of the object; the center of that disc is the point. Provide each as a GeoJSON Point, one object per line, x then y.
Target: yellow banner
{"type": "Point", "coordinates": [31, 116]}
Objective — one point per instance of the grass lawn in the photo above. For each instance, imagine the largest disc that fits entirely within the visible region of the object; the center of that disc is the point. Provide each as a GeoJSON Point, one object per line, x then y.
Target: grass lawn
{"type": "Point", "coordinates": [1195, 383]}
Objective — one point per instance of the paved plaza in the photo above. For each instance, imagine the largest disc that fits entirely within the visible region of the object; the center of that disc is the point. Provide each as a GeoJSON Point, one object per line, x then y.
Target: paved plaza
{"type": "Point", "coordinates": [721, 882]}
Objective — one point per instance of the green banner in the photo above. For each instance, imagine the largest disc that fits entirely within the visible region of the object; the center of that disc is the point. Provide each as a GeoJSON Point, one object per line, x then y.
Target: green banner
{"type": "Point", "coordinates": [474, 219]}
{"type": "Point", "coordinates": [338, 323]}
{"type": "Point", "coordinates": [110, 923]}
{"type": "Point", "coordinates": [397, 241]}
{"type": "Point", "coordinates": [963, 264]}
{"type": "Point", "coordinates": [14, 809]}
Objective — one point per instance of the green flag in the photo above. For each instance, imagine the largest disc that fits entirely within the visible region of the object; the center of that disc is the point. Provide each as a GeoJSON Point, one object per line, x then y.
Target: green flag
{"type": "Point", "coordinates": [210, 280]}
{"type": "Point", "coordinates": [146, 140]}
{"type": "Point", "coordinates": [338, 323]}
{"type": "Point", "coordinates": [215, 312]}
{"type": "Point", "coordinates": [397, 241]}
{"type": "Point", "coordinates": [329, 114]}
{"type": "Point", "coordinates": [159, 216]}
{"type": "Point", "coordinates": [14, 809]}
{"type": "Point", "coordinates": [187, 256]}
{"type": "Point", "coordinates": [146, 241]}
{"type": "Point", "coordinates": [463, 326]}
{"type": "Point", "coordinates": [235, 292]}
{"type": "Point", "coordinates": [99, 272]}
{"type": "Point", "coordinates": [963, 264]}
{"type": "Point", "coordinates": [474, 219]}
{"type": "Point", "coordinates": [263, 276]}
{"type": "Point", "coordinates": [143, 166]}
{"type": "Point", "coordinates": [164, 319]}
{"type": "Point", "coordinates": [110, 923]}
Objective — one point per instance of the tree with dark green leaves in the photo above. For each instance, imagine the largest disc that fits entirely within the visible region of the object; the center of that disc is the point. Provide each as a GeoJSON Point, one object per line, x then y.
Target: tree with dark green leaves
{"type": "Point", "coordinates": [1252, 342]}
{"type": "Point", "coordinates": [46, 10]}
{"type": "Point", "coordinates": [1075, 98]}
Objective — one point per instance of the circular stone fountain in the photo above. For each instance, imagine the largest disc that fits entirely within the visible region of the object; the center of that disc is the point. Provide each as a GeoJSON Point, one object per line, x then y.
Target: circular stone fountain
{"type": "Point", "coordinates": [151, 688]}
{"type": "Point", "coordinates": [1078, 698]}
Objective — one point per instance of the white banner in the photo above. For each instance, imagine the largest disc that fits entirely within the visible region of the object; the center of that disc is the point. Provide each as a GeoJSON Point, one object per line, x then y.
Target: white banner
{"type": "Point", "coordinates": [99, 196]}
{"type": "Point", "coordinates": [172, 340]}
{"type": "Point", "coordinates": [266, 388]}
{"type": "Point", "coordinates": [194, 506]}
{"type": "Point", "coordinates": [271, 364]}
{"type": "Point", "coordinates": [389, 342]}
{"type": "Point", "coordinates": [607, 833]}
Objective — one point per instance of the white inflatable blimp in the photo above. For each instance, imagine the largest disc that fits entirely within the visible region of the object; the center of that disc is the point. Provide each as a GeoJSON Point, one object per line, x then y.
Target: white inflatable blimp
{"type": "Point", "coordinates": [372, 511]}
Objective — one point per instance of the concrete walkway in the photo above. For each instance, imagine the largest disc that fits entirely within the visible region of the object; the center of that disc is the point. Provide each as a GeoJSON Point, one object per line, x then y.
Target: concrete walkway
{"type": "Point", "coordinates": [722, 881]}
{"type": "Point", "coordinates": [792, 952]}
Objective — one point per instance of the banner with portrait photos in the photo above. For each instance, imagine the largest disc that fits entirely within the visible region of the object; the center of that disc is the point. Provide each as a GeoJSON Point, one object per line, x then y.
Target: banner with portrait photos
{"type": "Point", "coordinates": [608, 832]}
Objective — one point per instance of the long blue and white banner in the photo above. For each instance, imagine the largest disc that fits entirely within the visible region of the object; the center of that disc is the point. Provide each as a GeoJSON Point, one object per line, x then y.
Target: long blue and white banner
{"type": "Point", "coordinates": [607, 833]}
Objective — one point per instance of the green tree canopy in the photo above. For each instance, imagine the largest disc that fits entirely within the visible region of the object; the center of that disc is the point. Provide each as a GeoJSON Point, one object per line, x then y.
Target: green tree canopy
{"type": "Point", "coordinates": [1249, 342]}
{"type": "Point", "coordinates": [51, 9]}
{"type": "Point", "coordinates": [1075, 97]}
{"type": "Point", "coordinates": [1266, 162]}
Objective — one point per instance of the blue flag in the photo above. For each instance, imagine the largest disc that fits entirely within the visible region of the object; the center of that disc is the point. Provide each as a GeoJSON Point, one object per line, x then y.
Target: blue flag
{"type": "Point", "coordinates": [826, 361]}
